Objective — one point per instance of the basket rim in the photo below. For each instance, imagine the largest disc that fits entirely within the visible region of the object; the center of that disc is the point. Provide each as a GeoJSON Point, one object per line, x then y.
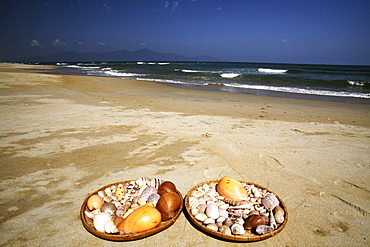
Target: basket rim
{"type": "Point", "coordinates": [248, 237]}
{"type": "Point", "coordinates": [88, 223]}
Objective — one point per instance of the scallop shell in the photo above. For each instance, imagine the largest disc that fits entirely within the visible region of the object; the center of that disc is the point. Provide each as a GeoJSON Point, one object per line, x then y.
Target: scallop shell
{"type": "Point", "coordinates": [148, 191]}
{"type": "Point", "coordinates": [100, 220]}
{"type": "Point", "coordinates": [153, 198]}
{"type": "Point", "coordinates": [168, 204]}
{"type": "Point", "coordinates": [231, 189]}
{"type": "Point", "coordinates": [201, 217]}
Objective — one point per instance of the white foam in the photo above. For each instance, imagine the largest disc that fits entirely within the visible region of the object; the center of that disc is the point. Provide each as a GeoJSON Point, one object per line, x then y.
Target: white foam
{"type": "Point", "coordinates": [121, 74]}
{"type": "Point", "coordinates": [229, 75]}
{"type": "Point", "coordinates": [357, 83]}
{"type": "Point", "coordinates": [265, 70]}
{"type": "Point", "coordinates": [301, 90]}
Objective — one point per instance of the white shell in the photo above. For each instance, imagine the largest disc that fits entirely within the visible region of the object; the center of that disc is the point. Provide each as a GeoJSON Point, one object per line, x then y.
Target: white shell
{"type": "Point", "coordinates": [209, 221]}
{"type": "Point", "coordinates": [223, 213]}
{"type": "Point", "coordinates": [212, 226]}
{"type": "Point", "coordinates": [100, 220]}
{"type": "Point", "coordinates": [279, 218]}
{"type": "Point", "coordinates": [109, 227]}
{"type": "Point", "coordinates": [212, 211]}
{"type": "Point", "coordinates": [193, 202]}
{"type": "Point", "coordinates": [201, 217]}
{"type": "Point", "coordinates": [237, 229]}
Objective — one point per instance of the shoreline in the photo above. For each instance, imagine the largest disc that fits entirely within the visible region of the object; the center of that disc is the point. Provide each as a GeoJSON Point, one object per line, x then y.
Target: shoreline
{"type": "Point", "coordinates": [64, 136]}
{"type": "Point", "coordinates": [221, 88]}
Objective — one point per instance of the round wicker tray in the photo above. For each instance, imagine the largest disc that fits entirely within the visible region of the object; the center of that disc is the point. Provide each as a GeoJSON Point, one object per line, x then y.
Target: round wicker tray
{"type": "Point", "coordinates": [248, 236]}
{"type": "Point", "coordinates": [89, 226]}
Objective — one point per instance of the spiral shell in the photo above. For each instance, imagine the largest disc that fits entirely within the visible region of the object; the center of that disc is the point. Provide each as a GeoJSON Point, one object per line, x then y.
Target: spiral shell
{"type": "Point", "coordinates": [108, 208]}
{"type": "Point", "coordinates": [237, 229]}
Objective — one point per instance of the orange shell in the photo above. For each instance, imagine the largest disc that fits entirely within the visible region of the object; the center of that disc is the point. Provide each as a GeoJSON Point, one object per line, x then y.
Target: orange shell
{"type": "Point", "coordinates": [95, 202]}
{"type": "Point", "coordinates": [141, 220]}
{"type": "Point", "coordinates": [231, 189]}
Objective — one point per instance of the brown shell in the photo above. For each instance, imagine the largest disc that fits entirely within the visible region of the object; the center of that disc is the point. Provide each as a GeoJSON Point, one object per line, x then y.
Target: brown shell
{"type": "Point", "coordinates": [168, 204]}
{"type": "Point", "coordinates": [165, 187]}
{"type": "Point", "coordinates": [255, 220]}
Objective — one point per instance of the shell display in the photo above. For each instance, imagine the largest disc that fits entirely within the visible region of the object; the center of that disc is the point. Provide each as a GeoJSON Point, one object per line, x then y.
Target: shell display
{"type": "Point", "coordinates": [119, 208]}
{"type": "Point", "coordinates": [208, 205]}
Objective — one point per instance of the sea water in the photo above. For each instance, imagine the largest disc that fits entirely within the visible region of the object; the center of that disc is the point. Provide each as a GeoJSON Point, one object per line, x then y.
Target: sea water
{"type": "Point", "coordinates": [326, 82]}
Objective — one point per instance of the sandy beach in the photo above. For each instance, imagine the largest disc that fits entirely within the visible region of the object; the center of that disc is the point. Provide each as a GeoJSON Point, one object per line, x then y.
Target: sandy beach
{"type": "Point", "coordinates": [63, 137]}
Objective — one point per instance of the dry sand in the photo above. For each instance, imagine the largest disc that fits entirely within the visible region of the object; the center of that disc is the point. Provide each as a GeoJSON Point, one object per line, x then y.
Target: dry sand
{"type": "Point", "coordinates": [63, 137]}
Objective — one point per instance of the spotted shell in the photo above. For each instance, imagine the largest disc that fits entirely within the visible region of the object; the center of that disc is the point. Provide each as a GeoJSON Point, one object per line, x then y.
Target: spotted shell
{"type": "Point", "coordinates": [231, 189]}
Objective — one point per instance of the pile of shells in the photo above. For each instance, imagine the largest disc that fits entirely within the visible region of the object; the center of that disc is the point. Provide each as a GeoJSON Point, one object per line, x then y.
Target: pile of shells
{"type": "Point", "coordinates": [110, 206]}
{"type": "Point", "coordinates": [258, 213]}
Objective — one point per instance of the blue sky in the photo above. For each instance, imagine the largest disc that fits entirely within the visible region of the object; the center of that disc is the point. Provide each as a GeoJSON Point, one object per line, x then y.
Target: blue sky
{"type": "Point", "coordinates": [281, 31]}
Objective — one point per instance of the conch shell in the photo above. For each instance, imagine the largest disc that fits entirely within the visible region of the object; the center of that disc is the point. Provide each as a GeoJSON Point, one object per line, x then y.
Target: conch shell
{"type": "Point", "coordinates": [231, 189]}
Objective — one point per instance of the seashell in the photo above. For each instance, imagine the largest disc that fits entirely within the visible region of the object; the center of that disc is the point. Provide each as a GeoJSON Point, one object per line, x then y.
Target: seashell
{"type": "Point", "coordinates": [279, 218]}
{"type": "Point", "coordinates": [239, 220]}
{"type": "Point", "coordinates": [228, 222]}
{"type": "Point", "coordinates": [201, 217]}
{"type": "Point", "coordinates": [108, 208]}
{"type": "Point", "coordinates": [117, 221]}
{"type": "Point", "coordinates": [95, 202]}
{"type": "Point", "coordinates": [237, 229]}
{"type": "Point", "coordinates": [142, 181]}
{"type": "Point", "coordinates": [110, 227]}
{"type": "Point", "coordinates": [231, 189]}
{"type": "Point", "coordinates": [108, 191]}
{"type": "Point", "coordinates": [279, 210]}
{"type": "Point", "coordinates": [142, 219]}
{"type": "Point", "coordinates": [141, 201]}
{"type": "Point", "coordinates": [270, 201]}
{"type": "Point", "coordinates": [165, 187]}
{"type": "Point", "coordinates": [223, 213]}
{"type": "Point", "coordinates": [120, 212]}
{"type": "Point", "coordinates": [212, 211]}
{"type": "Point", "coordinates": [148, 191]}
{"type": "Point", "coordinates": [102, 194]}
{"type": "Point", "coordinates": [221, 219]}
{"type": "Point", "coordinates": [153, 198]}
{"type": "Point", "coordinates": [168, 204]}
{"type": "Point", "coordinates": [212, 226]}
{"type": "Point", "coordinates": [155, 182]}
{"type": "Point", "coordinates": [128, 212]}
{"type": "Point", "coordinates": [224, 230]}
{"type": "Point", "coordinates": [120, 192]}
{"type": "Point", "coordinates": [100, 220]}
{"type": "Point", "coordinates": [239, 204]}
{"type": "Point", "coordinates": [193, 202]}
{"type": "Point", "coordinates": [202, 207]}
{"type": "Point", "coordinates": [209, 221]}
{"type": "Point", "coordinates": [255, 220]}
{"type": "Point", "coordinates": [194, 211]}
{"type": "Point", "coordinates": [263, 229]}
{"type": "Point", "coordinates": [223, 206]}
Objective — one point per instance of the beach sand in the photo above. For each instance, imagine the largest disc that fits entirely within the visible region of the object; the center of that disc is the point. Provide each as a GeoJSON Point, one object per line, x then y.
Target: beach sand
{"type": "Point", "coordinates": [63, 137]}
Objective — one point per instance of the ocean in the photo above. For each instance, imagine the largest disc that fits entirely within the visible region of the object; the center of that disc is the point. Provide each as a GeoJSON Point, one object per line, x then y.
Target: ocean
{"type": "Point", "coordinates": [323, 82]}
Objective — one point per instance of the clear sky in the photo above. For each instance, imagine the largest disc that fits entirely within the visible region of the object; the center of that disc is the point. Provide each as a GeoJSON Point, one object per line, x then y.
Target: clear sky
{"type": "Point", "coordinates": [281, 31]}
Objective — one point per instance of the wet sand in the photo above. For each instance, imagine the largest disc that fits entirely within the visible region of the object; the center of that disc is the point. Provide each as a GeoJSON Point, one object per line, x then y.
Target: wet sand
{"type": "Point", "coordinates": [63, 137]}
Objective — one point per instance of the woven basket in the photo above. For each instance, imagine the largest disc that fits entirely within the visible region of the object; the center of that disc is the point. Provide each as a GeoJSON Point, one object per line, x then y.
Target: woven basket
{"type": "Point", "coordinates": [248, 236]}
{"type": "Point", "coordinates": [89, 226]}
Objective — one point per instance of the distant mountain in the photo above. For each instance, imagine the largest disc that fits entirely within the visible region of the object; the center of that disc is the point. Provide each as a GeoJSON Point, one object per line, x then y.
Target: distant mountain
{"type": "Point", "coordinates": [119, 55]}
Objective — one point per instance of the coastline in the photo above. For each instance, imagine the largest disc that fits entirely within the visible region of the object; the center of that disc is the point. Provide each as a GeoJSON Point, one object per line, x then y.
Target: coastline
{"type": "Point", "coordinates": [64, 136]}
